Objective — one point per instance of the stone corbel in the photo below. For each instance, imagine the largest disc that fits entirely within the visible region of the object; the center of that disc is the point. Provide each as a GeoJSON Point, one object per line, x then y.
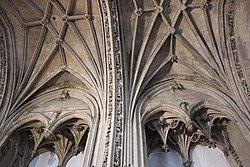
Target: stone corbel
{"type": "Point", "coordinates": [206, 119]}
{"type": "Point", "coordinates": [65, 95]}
{"type": "Point", "coordinates": [184, 106]}
{"type": "Point", "coordinates": [37, 135]}
{"type": "Point", "coordinates": [63, 147]}
{"type": "Point", "coordinates": [78, 130]}
{"type": "Point", "coordinates": [163, 128]}
{"type": "Point", "coordinates": [177, 86]}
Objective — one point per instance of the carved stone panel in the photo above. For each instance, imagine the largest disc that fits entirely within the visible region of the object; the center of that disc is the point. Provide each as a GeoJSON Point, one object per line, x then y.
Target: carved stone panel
{"type": "Point", "coordinates": [3, 64]}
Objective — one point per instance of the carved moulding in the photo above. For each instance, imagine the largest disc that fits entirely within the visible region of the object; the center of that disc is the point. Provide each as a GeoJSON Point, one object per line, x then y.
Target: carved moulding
{"type": "Point", "coordinates": [149, 108]}
{"type": "Point", "coordinates": [7, 67]}
{"type": "Point", "coordinates": [112, 155]}
{"type": "Point", "coordinates": [218, 99]}
{"type": "Point", "coordinates": [51, 130]}
{"type": "Point", "coordinates": [230, 14]}
{"type": "Point", "coordinates": [181, 125]}
{"type": "Point", "coordinates": [3, 65]}
{"type": "Point", "coordinates": [236, 68]}
{"type": "Point", "coordinates": [66, 140]}
{"type": "Point", "coordinates": [182, 133]}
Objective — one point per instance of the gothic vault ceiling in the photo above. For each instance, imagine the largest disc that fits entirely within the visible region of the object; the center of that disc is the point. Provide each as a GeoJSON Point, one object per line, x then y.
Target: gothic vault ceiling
{"type": "Point", "coordinates": [175, 43]}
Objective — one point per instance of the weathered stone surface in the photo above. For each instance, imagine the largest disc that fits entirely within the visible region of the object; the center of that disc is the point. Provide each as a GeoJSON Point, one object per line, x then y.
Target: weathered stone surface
{"type": "Point", "coordinates": [116, 78]}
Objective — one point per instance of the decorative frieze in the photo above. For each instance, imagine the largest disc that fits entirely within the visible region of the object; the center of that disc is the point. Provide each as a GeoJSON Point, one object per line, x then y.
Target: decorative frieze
{"type": "Point", "coordinates": [110, 81]}
{"type": "Point", "coordinates": [229, 150]}
{"type": "Point", "coordinates": [178, 130]}
{"type": "Point", "coordinates": [230, 17]}
{"type": "Point", "coordinates": [119, 85]}
{"type": "Point", "coordinates": [3, 65]}
{"type": "Point", "coordinates": [115, 83]}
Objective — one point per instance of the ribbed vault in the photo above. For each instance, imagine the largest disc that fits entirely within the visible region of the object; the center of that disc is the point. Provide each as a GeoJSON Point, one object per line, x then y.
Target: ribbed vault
{"type": "Point", "coordinates": [118, 66]}
{"type": "Point", "coordinates": [53, 37]}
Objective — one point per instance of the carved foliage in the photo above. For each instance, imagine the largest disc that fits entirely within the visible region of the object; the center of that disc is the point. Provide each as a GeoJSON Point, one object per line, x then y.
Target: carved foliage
{"type": "Point", "coordinates": [110, 82]}
{"type": "Point", "coordinates": [207, 128]}
{"type": "Point", "coordinates": [34, 138]}
{"type": "Point", "coordinates": [66, 141]}
{"type": "Point", "coordinates": [175, 132]}
{"type": "Point", "coordinates": [3, 65]}
{"type": "Point", "coordinates": [115, 86]}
